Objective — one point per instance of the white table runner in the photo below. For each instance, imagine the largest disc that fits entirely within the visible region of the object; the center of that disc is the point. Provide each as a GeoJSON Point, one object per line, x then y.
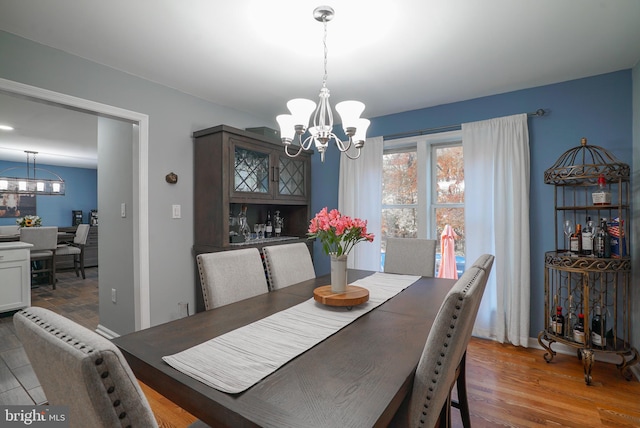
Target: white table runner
{"type": "Point", "coordinates": [240, 358]}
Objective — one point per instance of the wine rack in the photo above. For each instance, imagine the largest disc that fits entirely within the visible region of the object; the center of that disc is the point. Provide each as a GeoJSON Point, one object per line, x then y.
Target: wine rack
{"type": "Point", "coordinates": [580, 283]}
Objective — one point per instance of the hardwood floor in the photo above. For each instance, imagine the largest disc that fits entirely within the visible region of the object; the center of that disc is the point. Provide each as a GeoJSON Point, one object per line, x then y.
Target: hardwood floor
{"type": "Point", "coordinates": [507, 386]}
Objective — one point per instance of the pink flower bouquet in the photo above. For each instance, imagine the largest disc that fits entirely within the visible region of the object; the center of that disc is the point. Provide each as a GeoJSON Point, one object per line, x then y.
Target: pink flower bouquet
{"type": "Point", "coordinates": [338, 233]}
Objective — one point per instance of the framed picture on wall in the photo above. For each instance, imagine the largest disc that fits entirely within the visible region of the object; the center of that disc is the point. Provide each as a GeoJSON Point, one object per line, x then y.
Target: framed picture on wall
{"type": "Point", "coordinates": [17, 205]}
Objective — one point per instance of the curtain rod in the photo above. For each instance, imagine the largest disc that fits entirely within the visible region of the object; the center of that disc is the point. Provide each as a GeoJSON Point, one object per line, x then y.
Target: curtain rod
{"type": "Point", "coordinates": [538, 113]}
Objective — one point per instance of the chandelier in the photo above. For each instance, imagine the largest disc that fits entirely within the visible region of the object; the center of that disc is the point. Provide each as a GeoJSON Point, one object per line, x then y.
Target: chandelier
{"type": "Point", "coordinates": [294, 125]}
{"type": "Point", "coordinates": [30, 184]}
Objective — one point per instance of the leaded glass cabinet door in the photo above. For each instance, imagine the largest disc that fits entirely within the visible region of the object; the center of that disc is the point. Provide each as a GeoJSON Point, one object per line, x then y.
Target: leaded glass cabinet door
{"type": "Point", "coordinates": [251, 171]}
{"type": "Point", "coordinates": [293, 178]}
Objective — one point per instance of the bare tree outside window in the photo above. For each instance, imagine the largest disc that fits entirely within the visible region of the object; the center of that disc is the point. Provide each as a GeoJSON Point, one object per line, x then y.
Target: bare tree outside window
{"type": "Point", "coordinates": [399, 195]}
{"type": "Point", "coordinates": [444, 187]}
{"type": "Point", "coordinates": [449, 192]}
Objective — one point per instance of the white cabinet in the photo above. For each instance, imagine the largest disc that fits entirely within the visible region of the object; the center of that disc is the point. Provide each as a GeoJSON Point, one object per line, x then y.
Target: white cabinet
{"type": "Point", "coordinates": [15, 284]}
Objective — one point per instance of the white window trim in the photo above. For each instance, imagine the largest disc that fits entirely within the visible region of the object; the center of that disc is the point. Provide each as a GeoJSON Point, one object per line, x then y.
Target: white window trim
{"type": "Point", "coordinates": [424, 144]}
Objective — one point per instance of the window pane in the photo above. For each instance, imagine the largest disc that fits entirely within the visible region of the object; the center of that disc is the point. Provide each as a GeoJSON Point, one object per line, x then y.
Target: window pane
{"type": "Point", "coordinates": [455, 218]}
{"type": "Point", "coordinates": [399, 223]}
{"type": "Point", "coordinates": [449, 185]}
{"type": "Point", "coordinates": [399, 178]}
{"type": "Point", "coordinates": [251, 171]}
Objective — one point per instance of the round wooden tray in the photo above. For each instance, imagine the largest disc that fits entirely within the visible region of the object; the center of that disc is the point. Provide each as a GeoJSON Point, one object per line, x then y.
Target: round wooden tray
{"type": "Point", "coordinates": [353, 296]}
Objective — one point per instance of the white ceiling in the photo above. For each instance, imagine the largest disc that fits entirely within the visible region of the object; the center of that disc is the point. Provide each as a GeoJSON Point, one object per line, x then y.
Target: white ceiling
{"type": "Point", "coordinates": [395, 56]}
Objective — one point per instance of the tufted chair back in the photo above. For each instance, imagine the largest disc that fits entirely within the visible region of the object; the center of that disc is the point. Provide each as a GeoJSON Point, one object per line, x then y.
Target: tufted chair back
{"type": "Point", "coordinates": [230, 276]}
{"type": "Point", "coordinates": [288, 264]}
{"type": "Point", "coordinates": [81, 369]}
{"type": "Point", "coordinates": [411, 256]}
{"type": "Point", "coordinates": [446, 345]}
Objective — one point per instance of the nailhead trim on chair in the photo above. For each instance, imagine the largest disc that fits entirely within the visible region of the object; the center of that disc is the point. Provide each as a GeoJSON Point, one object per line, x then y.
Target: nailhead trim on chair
{"type": "Point", "coordinates": [205, 294]}
{"type": "Point", "coordinates": [445, 345]}
{"type": "Point", "coordinates": [98, 362]}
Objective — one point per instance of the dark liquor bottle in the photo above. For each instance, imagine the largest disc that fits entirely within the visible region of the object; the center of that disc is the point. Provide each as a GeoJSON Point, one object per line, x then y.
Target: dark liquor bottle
{"type": "Point", "coordinates": [575, 241]}
{"type": "Point", "coordinates": [269, 226]}
{"type": "Point", "coordinates": [602, 241]}
{"type": "Point", "coordinates": [558, 322]}
{"type": "Point", "coordinates": [598, 329]}
{"type": "Point", "coordinates": [578, 330]}
{"type": "Point", "coordinates": [570, 320]}
{"type": "Point", "coordinates": [587, 238]}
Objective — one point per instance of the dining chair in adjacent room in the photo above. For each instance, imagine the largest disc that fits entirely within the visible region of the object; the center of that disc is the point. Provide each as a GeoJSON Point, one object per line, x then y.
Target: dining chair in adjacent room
{"type": "Point", "coordinates": [287, 264]}
{"type": "Point", "coordinates": [82, 370]}
{"type": "Point", "coordinates": [76, 249]}
{"type": "Point", "coordinates": [442, 364]}
{"type": "Point", "coordinates": [45, 242]}
{"type": "Point", "coordinates": [410, 256]}
{"type": "Point", "coordinates": [10, 230]}
{"type": "Point", "coordinates": [229, 276]}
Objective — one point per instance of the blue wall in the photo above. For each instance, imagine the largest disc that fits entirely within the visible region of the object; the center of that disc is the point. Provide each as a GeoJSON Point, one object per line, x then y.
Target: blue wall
{"type": "Point", "coordinates": [81, 194]}
{"type": "Point", "coordinates": [598, 108]}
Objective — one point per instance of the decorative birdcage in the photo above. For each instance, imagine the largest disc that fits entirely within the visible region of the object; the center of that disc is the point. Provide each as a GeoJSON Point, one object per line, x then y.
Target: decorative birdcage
{"type": "Point", "coordinates": [584, 164]}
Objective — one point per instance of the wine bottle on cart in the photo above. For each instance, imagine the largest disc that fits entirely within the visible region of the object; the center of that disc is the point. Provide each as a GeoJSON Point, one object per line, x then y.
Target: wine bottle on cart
{"type": "Point", "coordinates": [602, 241]}
{"type": "Point", "coordinates": [575, 241]}
{"type": "Point", "coordinates": [578, 330]}
{"type": "Point", "coordinates": [598, 328]}
{"type": "Point", "coordinates": [570, 320]}
{"type": "Point", "coordinates": [559, 322]}
{"type": "Point", "coordinates": [587, 238]}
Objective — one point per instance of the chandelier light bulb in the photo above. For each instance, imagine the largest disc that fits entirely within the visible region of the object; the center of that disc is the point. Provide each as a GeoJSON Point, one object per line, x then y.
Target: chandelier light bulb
{"type": "Point", "coordinates": [301, 110]}
{"type": "Point", "coordinates": [361, 131]}
{"type": "Point", "coordinates": [349, 112]}
{"type": "Point", "coordinates": [287, 127]}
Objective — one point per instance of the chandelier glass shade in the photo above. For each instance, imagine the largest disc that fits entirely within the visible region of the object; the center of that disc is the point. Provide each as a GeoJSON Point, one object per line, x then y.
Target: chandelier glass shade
{"type": "Point", "coordinates": [294, 125]}
{"type": "Point", "coordinates": [30, 184]}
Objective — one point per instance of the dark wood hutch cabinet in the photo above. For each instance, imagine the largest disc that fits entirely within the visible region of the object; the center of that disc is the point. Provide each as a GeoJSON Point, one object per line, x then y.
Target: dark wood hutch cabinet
{"type": "Point", "coordinates": [233, 168]}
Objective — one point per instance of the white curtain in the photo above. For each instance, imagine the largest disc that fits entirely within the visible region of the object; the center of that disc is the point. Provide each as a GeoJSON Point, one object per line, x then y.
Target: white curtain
{"type": "Point", "coordinates": [496, 169]}
{"type": "Point", "coordinates": [360, 195]}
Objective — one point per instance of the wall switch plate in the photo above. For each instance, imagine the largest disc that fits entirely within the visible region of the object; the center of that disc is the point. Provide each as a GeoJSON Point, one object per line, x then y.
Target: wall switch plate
{"type": "Point", "coordinates": [113, 295]}
{"type": "Point", "coordinates": [175, 211]}
{"type": "Point", "coordinates": [123, 210]}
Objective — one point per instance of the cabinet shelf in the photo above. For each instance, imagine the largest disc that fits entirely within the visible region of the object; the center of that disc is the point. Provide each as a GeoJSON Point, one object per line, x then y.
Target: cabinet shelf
{"type": "Point", "coordinates": [593, 207]}
{"type": "Point", "coordinates": [558, 260]}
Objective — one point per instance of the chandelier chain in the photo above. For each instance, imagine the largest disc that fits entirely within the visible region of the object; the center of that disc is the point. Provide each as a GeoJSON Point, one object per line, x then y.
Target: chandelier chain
{"type": "Point", "coordinates": [326, 53]}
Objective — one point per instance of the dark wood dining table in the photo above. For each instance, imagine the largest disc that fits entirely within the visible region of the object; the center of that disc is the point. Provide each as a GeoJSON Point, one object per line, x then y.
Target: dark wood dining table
{"type": "Point", "coordinates": [357, 377]}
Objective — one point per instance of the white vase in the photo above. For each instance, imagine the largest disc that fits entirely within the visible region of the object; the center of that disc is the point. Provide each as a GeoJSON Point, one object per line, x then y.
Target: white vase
{"type": "Point", "coordinates": [338, 273]}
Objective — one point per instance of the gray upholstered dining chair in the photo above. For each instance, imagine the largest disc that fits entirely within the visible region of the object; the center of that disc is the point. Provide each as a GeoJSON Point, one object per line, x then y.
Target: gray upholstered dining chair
{"type": "Point", "coordinates": [79, 368]}
{"type": "Point", "coordinates": [229, 276]}
{"type": "Point", "coordinates": [442, 364]}
{"type": "Point", "coordinates": [10, 230]}
{"type": "Point", "coordinates": [76, 249]}
{"type": "Point", "coordinates": [287, 264]}
{"type": "Point", "coordinates": [411, 256]}
{"type": "Point", "coordinates": [45, 243]}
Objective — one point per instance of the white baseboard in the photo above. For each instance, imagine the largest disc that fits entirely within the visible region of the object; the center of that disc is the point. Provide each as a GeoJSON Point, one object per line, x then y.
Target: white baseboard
{"type": "Point", "coordinates": [605, 357]}
{"type": "Point", "coordinates": [103, 331]}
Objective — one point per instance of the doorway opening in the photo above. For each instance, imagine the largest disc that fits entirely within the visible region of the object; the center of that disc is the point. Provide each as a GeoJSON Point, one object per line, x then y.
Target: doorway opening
{"type": "Point", "coordinates": [139, 183]}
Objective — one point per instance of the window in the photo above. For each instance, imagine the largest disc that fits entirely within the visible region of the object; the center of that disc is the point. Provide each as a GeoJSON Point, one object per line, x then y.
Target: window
{"type": "Point", "coordinates": [423, 190]}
